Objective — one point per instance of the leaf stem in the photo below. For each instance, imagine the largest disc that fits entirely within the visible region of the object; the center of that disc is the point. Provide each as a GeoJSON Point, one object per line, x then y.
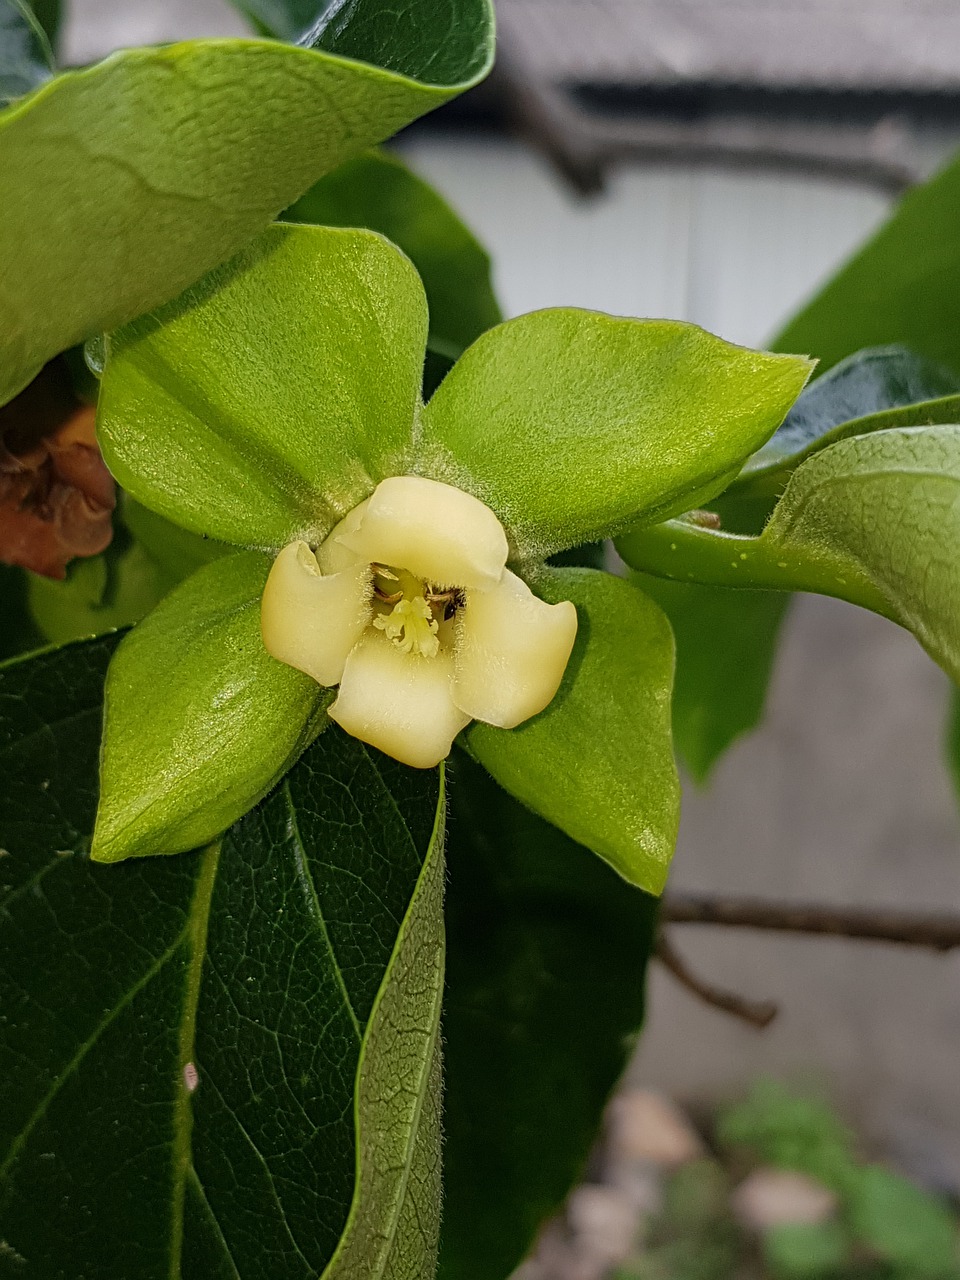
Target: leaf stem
{"type": "Point", "coordinates": [685, 552]}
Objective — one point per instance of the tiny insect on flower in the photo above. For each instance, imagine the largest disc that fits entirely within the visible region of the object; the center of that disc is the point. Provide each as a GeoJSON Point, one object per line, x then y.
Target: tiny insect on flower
{"type": "Point", "coordinates": [409, 607]}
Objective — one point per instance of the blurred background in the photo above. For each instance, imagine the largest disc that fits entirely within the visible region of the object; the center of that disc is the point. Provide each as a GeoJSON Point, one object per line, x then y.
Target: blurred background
{"type": "Point", "coordinates": [715, 160]}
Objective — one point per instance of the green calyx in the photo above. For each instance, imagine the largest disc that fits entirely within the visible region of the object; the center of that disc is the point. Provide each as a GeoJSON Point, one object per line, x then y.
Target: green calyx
{"type": "Point", "coordinates": [269, 400]}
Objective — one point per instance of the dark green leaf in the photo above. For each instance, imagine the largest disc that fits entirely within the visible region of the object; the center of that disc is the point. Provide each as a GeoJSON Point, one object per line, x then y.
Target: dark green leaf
{"type": "Point", "coordinates": [854, 398]}
{"type": "Point", "coordinates": [25, 57]}
{"type": "Point", "coordinates": [598, 762]}
{"type": "Point", "coordinates": [168, 160]}
{"type": "Point", "coordinates": [269, 399]}
{"type": "Point", "coordinates": [292, 973]}
{"type": "Point", "coordinates": [726, 645]}
{"type": "Point", "coordinates": [902, 286]}
{"type": "Point", "coordinates": [49, 14]}
{"type": "Point", "coordinates": [378, 191]}
{"type": "Point", "coordinates": [200, 722]}
{"type": "Point", "coordinates": [18, 631]}
{"type": "Point", "coordinates": [547, 949]}
{"type": "Point", "coordinates": [571, 424]}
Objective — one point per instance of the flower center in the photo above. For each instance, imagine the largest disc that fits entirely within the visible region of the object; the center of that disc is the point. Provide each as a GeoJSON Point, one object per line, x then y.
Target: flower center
{"type": "Point", "coordinates": [409, 612]}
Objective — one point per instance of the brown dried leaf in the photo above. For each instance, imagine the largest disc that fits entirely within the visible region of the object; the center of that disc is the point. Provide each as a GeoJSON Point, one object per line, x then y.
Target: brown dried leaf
{"type": "Point", "coordinates": [56, 495]}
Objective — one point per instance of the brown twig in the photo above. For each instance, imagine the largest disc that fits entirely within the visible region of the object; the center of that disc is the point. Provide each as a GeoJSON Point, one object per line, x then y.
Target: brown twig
{"type": "Point", "coordinates": [939, 932]}
{"type": "Point", "coordinates": [759, 1013]}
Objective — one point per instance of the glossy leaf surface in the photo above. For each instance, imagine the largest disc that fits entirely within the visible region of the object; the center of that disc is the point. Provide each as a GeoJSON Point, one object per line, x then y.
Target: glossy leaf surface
{"type": "Point", "coordinates": [886, 509]}
{"type": "Point", "coordinates": [199, 1050]}
{"type": "Point", "coordinates": [446, 42]}
{"type": "Point", "coordinates": [200, 722]}
{"type": "Point", "coordinates": [25, 58]}
{"type": "Point", "coordinates": [571, 424]}
{"type": "Point", "coordinates": [726, 645]}
{"type": "Point", "coordinates": [855, 397]}
{"type": "Point", "coordinates": [168, 160]}
{"type": "Point", "coordinates": [902, 286]}
{"type": "Point", "coordinates": [377, 190]}
{"type": "Point", "coordinates": [271, 398]}
{"type": "Point", "coordinates": [546, 958]}
{"type": "Point", "coordinates": [598, 762]}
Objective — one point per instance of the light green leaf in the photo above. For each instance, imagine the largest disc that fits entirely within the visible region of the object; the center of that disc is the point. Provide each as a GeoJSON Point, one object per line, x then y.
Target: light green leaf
{"type": "Point", "coordinates": [204, 1056]}
{"type": "Point", "coordinates": [378, 191]}
{"type": "Point", "coordinates": [271, 398]}
{"type": "Point", "coordinates": [726, 645]}
{"type": "Point", "coordinates": [25, 57]}
{"type": "Point", "coordinates": [873, 519]}
{"type": "Point", "coordinates": [903, 1225]}
{"type": "Point", "coordinates": [885, 508]}
{"type": "Point", "coordinates": [200, 721]}
{"type": "Point", "coordinates": [598, 763]}
{"type": "Point", "coordinates": [99, 593]}
{"type": "Point", "coordinates": [125, 182]}
{"type": "Point", "coordinates": [176, 552]}
{"type": "Point", "coordinates": [872, 390]}
{"type": "Point", "coordinates": [546, 957]}
{"type": "Point", "coordinates": [572, 425]}
{"type": "Point", "coordinates": [805, 1250]}
{"type": "Point", "coordinates": [902, 286]}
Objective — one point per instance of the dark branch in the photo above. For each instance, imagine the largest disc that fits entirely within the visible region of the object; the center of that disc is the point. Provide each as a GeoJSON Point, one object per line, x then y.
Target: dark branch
{"type": "Point", "coordinates": [759, 1013]}
{"type": "Point", "coordinates": [939, 932]}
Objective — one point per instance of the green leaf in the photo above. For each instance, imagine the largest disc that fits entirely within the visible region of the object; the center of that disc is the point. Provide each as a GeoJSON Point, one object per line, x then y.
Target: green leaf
{"type": "Point", "coordinates": [378, 191]}
{"type": "Point", "coordinates": [884, 509]}
{"type": "Point", "coordinates": [805, 1250]}
{"type": "Point", "coordinates": [18, 632]}
{"type": "Point", "coordinates": [200, 722]}
{"type": "Point", "coordinates": [598, 762]}
{"type": "Point", "coordinates": [904, 1225]}
{"type": "Point", "coordinates": [169, 160]}
{"type": "Point", "coordinates": [546, 955]}
{"type": "Point", "coordinates": [271, 398]}
{"type": "Point", "coordinates": [25, 57]}
{"type": "Point", "coordinates": [902, 286]}
{"type": "Point", "coordinates": [953, 739]}
{"type": "Point", "coordinates": [872, 519]}
{"type": "Point", "coordinates": [726, 645]}
{"type": "Point", "coordinates": [292, 973]}
{"type": "Point", "coordinates": [450, 39]}
{"type": "Point", "coordinates": [176, 552]}
{"type": "Point", "coordinates": [572, 425]}
{"type": "Point", "coordinates": [870, 391]}
{"type": "Point", "coordinates": [48, 14]}
{"type": "Point", "coordinates": [99, 594]}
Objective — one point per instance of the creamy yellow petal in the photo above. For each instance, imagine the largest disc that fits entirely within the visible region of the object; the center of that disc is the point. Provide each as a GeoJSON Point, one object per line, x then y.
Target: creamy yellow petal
{"type": "Point", "coordinates": [312, 621]}
{"type": "Point", "coordinates": [437, 532]}
{"type": "Point", "coordinates": [512, 650]}
{"type": "Point", "coordinates": [399, 702]}
{"type": "Point", "coordinates": [333, 554]}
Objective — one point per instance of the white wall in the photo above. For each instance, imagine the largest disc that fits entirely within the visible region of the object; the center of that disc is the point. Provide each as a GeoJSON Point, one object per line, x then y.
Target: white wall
{"type": "Point", "coordinates": [733, 252]}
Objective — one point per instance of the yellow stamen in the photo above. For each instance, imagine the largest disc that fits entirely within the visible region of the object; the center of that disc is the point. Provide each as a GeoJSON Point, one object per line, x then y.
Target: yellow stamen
{"type": "Point", "coordinates": [411, 626]}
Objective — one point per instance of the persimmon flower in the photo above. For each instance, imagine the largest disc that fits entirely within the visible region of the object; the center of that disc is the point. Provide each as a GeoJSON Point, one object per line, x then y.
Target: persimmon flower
{"type": "Point", "coordinates": [409, 607]}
